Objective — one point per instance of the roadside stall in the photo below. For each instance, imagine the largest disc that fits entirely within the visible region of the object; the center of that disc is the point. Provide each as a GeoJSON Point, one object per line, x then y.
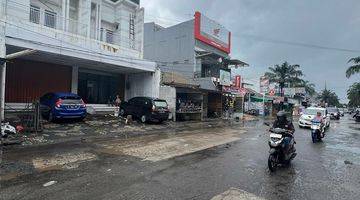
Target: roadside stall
{"type": "Point", "coordinates": [264, 105]}
{"type": "Point", "coordinates": [189, 104]}
{"type": "Point", "coordinates": [185, 99]}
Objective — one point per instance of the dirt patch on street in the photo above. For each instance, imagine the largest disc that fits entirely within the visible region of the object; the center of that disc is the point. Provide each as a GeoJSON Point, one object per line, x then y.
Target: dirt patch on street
{"type": "Point", "coordinates": [161, 148]}
{"type": "Point", "coordinates": [236, 194]}
{"type": "Point", "coordinates": [64, 161]}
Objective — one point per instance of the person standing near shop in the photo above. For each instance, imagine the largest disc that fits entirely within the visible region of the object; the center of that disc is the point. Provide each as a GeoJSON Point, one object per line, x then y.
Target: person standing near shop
{"type": "Point", "coordinates": [117, 101]}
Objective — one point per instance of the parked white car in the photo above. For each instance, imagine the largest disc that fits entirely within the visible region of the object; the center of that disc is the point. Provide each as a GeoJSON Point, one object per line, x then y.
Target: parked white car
{"type": "Point", "coordinates": [310, 113]}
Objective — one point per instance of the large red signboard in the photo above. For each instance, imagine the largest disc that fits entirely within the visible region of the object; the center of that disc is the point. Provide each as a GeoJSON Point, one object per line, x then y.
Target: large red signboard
{"type": "Point", "coordinates": [212, 33]}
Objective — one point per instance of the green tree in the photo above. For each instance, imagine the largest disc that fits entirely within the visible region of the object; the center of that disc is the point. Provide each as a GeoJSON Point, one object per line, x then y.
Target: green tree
{"type": "Point", "coordinates": [284, 74]}
{"type": "Point", "coordinates": [353, 95]}
{"type": "Point", "coordinates": [309, 87]}
{"type": "Point", "coordinates": [329, 97]}
{"type": "Point", "coordinates": [355, 68]}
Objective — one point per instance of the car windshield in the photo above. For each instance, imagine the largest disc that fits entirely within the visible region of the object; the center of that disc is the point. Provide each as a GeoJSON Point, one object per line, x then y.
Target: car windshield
{"type": "Point", "coordinates": [159, 103]}
{"type": "Point", "coordinates": [313, 111]}
{"type": "Point", "coordinates": [71, 100]}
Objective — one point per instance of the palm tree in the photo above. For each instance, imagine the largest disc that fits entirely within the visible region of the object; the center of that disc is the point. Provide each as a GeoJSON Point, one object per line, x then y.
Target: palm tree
{"type": "Point", "coordinates": [354, 68]}
{"type": "Point", "coordinates": [284, 74]}
{"type": "Point", "coordinates": [329, 97]}
{"type": "Point", "coordinates": [353, 95]}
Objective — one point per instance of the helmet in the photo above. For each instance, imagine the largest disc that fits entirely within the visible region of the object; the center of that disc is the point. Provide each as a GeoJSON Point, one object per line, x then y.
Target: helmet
{"type": "Point", "coordinates": [281, 116]}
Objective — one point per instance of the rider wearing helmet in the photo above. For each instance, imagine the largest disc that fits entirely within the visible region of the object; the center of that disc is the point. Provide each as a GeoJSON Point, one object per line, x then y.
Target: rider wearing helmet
{"type": "Point", "coordinates": [282, 122]}
{"type": "Point", "coordinates": [319, 118]}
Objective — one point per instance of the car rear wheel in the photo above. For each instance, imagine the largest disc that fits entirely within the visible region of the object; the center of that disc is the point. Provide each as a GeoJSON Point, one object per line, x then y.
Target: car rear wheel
{"type": "Point", "coordinates": [143, 118]}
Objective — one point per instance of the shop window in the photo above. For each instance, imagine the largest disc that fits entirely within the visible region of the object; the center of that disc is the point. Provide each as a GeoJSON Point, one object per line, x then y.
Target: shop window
{"type": "Point", "coordinates": [34, 14]}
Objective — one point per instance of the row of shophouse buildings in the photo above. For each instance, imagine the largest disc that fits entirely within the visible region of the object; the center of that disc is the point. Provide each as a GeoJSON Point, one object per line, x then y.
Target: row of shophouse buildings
{"type": "Point", "coordinates": [102, 48]}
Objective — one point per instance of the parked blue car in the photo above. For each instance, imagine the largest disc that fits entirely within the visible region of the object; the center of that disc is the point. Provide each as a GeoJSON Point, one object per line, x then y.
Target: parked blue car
{"type": "Point", "coordinates": [62, 105]}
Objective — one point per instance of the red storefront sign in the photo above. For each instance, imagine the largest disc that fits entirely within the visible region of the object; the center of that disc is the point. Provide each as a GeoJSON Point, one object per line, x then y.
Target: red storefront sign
{"type": "Point", "coordinates": [212, 33]}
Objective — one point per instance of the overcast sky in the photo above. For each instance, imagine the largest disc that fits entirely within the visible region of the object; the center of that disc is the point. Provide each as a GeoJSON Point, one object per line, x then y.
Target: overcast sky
{"type": "Point", "coordinates": [262, 28]}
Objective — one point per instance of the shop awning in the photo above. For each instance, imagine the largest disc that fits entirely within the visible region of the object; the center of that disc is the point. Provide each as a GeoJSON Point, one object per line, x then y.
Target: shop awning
{"type": "Point", "coordinates": [260, 99]}
{"type": "Point", "coordinates": [177, 80]}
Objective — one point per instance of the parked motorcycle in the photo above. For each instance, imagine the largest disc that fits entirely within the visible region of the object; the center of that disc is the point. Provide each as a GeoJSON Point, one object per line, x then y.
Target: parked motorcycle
{"type": "Point", "coordinates": [317, 131]}
{"type": "Point", "coordinates": [6, 130]}
{"type": "Point", "coordinates": [279, 155]}
{"type": "Point", "coordinates": [357, 116]}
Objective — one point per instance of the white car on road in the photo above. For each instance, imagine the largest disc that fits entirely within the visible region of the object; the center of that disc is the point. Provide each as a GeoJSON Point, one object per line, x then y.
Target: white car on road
{"type": "Point", "coordinates": [310, 113]}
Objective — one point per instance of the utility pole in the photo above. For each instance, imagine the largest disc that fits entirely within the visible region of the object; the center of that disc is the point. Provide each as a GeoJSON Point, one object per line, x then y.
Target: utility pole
{"type": "Point", "coordinates": [3, 59]}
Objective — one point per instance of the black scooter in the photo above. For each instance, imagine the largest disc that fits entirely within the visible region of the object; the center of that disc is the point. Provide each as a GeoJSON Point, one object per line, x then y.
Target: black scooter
{"type": "Point", "coordinates": [278, 153]}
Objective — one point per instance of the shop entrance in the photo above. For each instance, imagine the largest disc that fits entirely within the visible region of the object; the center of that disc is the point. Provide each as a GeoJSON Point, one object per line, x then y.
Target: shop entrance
{"type": "Point", "coordinates": [100, 88]}
{"type": "Point", "coordinates": [214, 105]}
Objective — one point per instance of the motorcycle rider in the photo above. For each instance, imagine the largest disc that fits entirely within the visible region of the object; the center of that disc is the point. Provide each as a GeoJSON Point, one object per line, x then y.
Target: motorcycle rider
{"type": "Point", "coordinates": [319, 118]}
{"type": "Point", "coordinates": [282, 122]}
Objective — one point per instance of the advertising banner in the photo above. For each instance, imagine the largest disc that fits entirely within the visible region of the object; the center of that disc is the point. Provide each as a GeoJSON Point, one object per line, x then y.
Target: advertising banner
{"type": "Point", "coordinates": [225, 78]}
{"type": "Point", "coordinates": [264, 85]}
{"type": "Point", "coordinates": [291, 92]}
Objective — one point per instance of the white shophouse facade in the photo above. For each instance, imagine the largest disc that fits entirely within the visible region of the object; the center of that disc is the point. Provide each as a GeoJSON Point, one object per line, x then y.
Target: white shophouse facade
{"type": "Point", "coordinates": [90, 47]}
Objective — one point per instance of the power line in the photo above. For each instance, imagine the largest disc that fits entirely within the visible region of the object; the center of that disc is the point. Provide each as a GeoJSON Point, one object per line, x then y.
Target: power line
{"type": "Point", "coordinates": [275, 41]}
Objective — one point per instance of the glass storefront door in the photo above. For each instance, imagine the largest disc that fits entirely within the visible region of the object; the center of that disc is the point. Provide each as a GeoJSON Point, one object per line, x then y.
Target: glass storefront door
{"type": "Point", "coordinates": [98, 89]}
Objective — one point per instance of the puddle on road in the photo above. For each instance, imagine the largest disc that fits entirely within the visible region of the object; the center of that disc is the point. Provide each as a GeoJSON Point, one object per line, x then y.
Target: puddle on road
{"type": "Point", "coordinates": [169, 147]}
{"type": "Point", "coordinates": [62, 161]}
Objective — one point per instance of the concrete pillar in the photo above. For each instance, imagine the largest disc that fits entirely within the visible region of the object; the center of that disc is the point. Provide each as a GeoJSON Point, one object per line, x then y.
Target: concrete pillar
{"type": "Point", "coordinates": [2, 55]}
{"type": "Point", "coordinates": [98, 11]}
{"type": "Point", "coordinates": [74, 79]}
{"type": "Point", "coordinates": [67, 10]}
{"type": "Point", "coordinates": [63, 14]}
{"type": "Point", "coordinates": [65, 4]}
{"type": "Point", "coordinates": [2, 89]}
{"type": "Point", "coordinates": [88, 20]}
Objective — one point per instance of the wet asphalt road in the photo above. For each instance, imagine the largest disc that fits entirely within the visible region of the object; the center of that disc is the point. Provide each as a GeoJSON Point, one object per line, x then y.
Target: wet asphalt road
{"type": "Point", "coordinates": [328, 170]}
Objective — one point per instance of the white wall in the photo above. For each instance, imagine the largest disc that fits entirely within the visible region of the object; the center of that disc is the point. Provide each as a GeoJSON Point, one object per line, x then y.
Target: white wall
{"type": "Point", "coordinates": [108, 12]}
{"type": "Point", "coordinates": [168, 93]}
{"type": "Point", "coordinates": [175, 43]}
{"type": "Point", "coordinates": [18, 8]}
{"type": "Point", "coordinates": [143, 84]}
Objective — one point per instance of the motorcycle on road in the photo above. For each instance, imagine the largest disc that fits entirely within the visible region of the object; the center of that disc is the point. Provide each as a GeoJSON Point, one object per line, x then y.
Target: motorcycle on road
{"type": "Point", "coordinates": [317, 131]}
{"type": "Point", "coordinates": [280, 153]}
